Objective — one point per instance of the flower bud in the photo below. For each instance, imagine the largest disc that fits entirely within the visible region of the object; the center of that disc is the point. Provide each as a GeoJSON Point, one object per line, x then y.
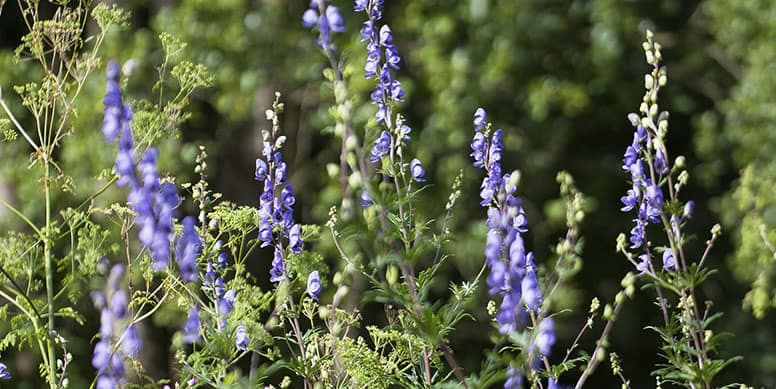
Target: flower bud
{"type": "Point", "coordinates": [649, 82]}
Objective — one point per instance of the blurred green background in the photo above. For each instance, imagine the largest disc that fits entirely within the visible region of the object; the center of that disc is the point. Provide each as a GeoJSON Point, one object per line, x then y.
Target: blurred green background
{"type": "Point", "coordinates": [558, 76]}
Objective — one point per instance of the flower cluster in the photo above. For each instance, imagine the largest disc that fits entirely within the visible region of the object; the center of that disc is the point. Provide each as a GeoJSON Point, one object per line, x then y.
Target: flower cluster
{"type": "Point", "coordinates": [114, 334]}
{"type": "Point", "coordinates": [646, 159]}
{"type": "Point", "coordinates": [512, 270]}
{"type": "Point", "coordinates": [645, 196]}
{"type": "Point", "coordinates": [276, 204]}
{"type": "Point", "coordinates": [152, 201]}
{"type": "Point", "coordinates": [388, 90]}
{"type": "Point", "coordinates": [224, 298]}
{"type": "Point", "coordinates": [326, 18]}
{"type": "Point", "coordinates": [382, 57]}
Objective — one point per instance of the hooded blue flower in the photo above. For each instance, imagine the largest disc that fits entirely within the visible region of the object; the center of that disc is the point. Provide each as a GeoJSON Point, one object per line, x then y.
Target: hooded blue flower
{"type": "Point", "coordinates": [480, 118]}
{"type": "Point", "coordinates": [669, 261]}
{"type": "Point", "coordinates": [4, 373]}
{"type": "Point", "coordinates": [222, 260]}
{"type": "Point", "coordinates": [314, 284]}
{"type": "Point", "coordinates": [643, 265]}
{"type": "Point", "coordinates": [366, 199]}
{"type": "Point", "coordinates": [191, 327]}
{"type": "Point", "coordinates": [295, 239]}
{"type": "Point", "coordinates": [381, 56]}
{"type": "Point", "coordinates": [545, 338]}
{"type": "Point", "coordinates": [417, 170]}
{"type": "Point", "coordinates": [278, 271]}
{"type": "Point", "coordinates": [241, 339]}
{"type": "Point", "coordinates": [224, 305]}
{"type": "Point", "coordinates": [130, 343]}
{"type": "Point", "coordinates": [382, 147]}
{"type": "Point", "coordinates": [187, 250]}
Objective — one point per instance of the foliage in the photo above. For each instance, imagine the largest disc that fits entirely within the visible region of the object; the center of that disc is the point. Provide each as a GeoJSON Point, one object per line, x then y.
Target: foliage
{"type": "Point", "coordinates": [392, 289]}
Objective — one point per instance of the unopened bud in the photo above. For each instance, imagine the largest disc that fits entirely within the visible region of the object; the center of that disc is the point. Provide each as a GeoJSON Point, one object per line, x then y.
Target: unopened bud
{"type": "Point", "coordinates": [649, 82]}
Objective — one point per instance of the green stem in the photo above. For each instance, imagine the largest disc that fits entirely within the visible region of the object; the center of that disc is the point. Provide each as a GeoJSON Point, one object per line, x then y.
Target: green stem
{"type": "Point", "coordinates": [21, 216]}
{"type": "Point", "coordinates": [49, 275]}
{"type": "Point", "coordinates": [32, 319]}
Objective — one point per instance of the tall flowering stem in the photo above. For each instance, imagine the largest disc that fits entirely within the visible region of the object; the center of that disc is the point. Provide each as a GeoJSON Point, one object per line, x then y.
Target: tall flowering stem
{"type": "Point", "coordinates": [152, 201]}
{"type": "Point", "coordinates": [277, 228]}
{"type": "Point", "coordinates": [388, 151]}
{"type": "Point", "coordinates": [352, 167]}
{"type": "Point", "coordinates": [276, 203]}
{"type": "Point", "coordinates": [512, 270]}
{"type": "Point", "coordinates": [654, 199]}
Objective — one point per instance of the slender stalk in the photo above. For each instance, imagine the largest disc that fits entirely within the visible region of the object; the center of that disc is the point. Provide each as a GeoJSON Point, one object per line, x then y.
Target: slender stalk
{"type": "Point", "coordinates": [49, 274]}
{"type": "Point", "coordinates": [21, 216]}
{"type": "Point", "coordinates": [16, 123]}
{"type": "Point", "coordinates": [593, 363]}
{"type": "Point", "coordinates": [33, 320]}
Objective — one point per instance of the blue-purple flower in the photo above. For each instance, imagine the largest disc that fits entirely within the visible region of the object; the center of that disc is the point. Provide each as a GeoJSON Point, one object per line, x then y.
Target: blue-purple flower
{"type": "Point", "coordinates": [366, 199]}
{"type": "Point", "coordinates": [545, 338]}
{"type": "Point", "coordinates": [191, 327]}
{"type": "Point", "coordinates": [187, 250]}
{"type": "Point", "coordinates": [4, 373]}
{"type": "Point", "coordinates": [327, 21]}
{"type": "Point", "coordinates": [417, 170]}
{"type": "Point", "coordinates": [512, 270]}
{"type": "Point", "coordinates": [480, 118]}
{"type": "Point", "coordinates": [106, 358]}
{"type": "Point", "coordinates": [278, 271]}
{"type": "Point", "coordinates": [153, 202]}
{"type": "Point", "coordinates": [382, 147]}
{"type": "Point", "coordinates": [276, 213]}
{"type": "Point", "coordinates": [130, 342]}
{"type": "Point", "coordinates": [643, 264]}
{"type": "Point", "coordinates": [669, 261]}
{"type": "Point", "coordinates": [688, 210]}
{"type": "Point", "coordinates": [314, 284]}
{"type": "Point", "coordinates": [114, 107]}
{"type": "Point", "coordinates": [514, 379]}
{"type": "Point", "coordinates": [241, 339]}
{"type": "Point", "coordinates": [222, 259]}
{"type": "Point", "coordinates": [224, 303]}
{"type": "Point", "coordinates": [381, 56]}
